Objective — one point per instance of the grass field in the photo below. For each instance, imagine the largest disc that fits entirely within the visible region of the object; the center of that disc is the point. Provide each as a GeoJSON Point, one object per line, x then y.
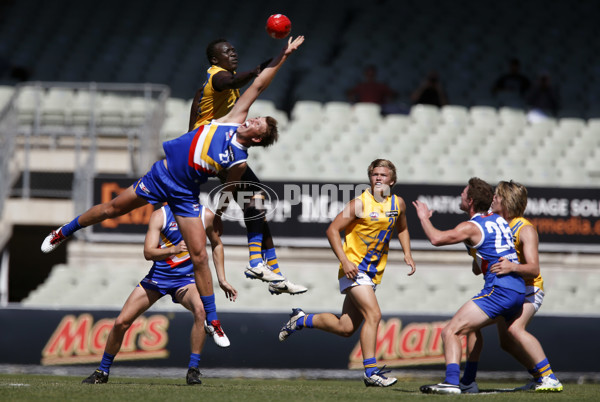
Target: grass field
{"type": "Point", "coordinates": [19, 387]}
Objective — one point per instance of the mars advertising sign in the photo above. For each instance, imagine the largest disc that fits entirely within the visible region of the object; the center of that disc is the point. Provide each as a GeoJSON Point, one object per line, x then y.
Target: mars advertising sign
{"type": "Point", "coordinates": [418, 343]}
{"type": "Point", "coordinates": [78, 339]}
{"type": "Point", "coordinates": [567, 219]}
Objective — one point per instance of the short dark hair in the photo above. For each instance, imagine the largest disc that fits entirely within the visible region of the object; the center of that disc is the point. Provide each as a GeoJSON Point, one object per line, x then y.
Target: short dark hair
{"type": "Point", "coordinates": [211, 50]}
{"type": "Point", "coordinates": [271, 135]}
{"type": "Point", "coordinates": [481, 193]}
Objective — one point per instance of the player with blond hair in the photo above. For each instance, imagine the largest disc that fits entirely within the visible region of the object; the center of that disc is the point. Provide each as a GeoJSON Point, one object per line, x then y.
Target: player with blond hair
{"type": "Point", "coordinates": [368, 222]}
{"type": "Point", "coordinates": [510, 201]}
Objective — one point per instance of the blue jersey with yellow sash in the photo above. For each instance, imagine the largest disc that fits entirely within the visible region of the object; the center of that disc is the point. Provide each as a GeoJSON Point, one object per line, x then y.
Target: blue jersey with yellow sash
{"type": "Point", "coordinates": [367, 239]}
{"type": "Point", "coordinates": [175, 266]}
{"type": "Point", "coordinates": [203, 152]}
{"type": "Point", "coordinates": [214, 104]}
{"type": "Point", "coordinates": [496, 241]}
{"type": "Point", "coordinates": [515, 226]}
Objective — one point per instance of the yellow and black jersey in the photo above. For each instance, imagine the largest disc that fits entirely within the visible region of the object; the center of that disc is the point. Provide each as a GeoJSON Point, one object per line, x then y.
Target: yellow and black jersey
{"type": "Point", "coordinates": [214, 104]}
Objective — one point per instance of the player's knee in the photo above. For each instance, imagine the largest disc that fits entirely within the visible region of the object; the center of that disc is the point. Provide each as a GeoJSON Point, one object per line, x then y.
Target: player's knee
{"type": "Point", "coordinates": [112, 211]}
{"type": "Point", "coordinates": [121, 326]}
{"type": "Point", "coordinates": [199, 257]}
{"type": "Point", "coordinates": [347, 331]}
{"type": "Point", "coordinates": [448, 331]}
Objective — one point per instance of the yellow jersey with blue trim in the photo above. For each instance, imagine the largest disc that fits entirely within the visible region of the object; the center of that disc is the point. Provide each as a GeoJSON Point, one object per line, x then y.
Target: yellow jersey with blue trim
{"type": "Point", "coordinates": [516, 225]}
{"type": "Point", "coordinates": [214, 104]}
{"type": "Point", "coordinates": [367, 239]}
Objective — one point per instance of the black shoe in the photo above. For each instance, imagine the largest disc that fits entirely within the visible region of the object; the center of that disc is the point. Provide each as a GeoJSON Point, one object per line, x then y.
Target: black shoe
{"type": "Point", "coordinates": [193, 376]}
{"type": "Point", "coordinates": [97, 377]}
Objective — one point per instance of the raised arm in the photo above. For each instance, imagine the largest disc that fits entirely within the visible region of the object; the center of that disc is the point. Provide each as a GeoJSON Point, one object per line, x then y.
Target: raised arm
{"type": "Point", "coordinates": [463, 232]}
{"type": "Point", "coordinates": [239, 112]}
{"type": "Point", "coordinates": [404, 236]}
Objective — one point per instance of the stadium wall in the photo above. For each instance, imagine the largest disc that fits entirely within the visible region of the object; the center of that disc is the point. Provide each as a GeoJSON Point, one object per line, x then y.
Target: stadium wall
{"type": "Point", "coordinates": [567, 219]}
{"type": "Point", "coordinates": [161, 339]}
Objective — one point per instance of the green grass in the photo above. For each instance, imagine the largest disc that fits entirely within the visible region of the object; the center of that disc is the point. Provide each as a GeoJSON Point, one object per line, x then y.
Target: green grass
{"type": "Point", "coordinates": [22, 387]}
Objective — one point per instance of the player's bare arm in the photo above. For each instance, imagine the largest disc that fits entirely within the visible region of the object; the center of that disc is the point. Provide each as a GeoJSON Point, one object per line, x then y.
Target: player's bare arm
{"type": "Point", "coordinates": [341, 222]}
{"type": "Point", "coordinates": [239, 112]}
{"type": "Point", "coordinates": [464, 232]}
{"type": "Point", "coordinates": [218, 254]}
{"type": "Point", "coordinates": [227, 80]}
{"type": "Point", "coordinates": [152, 251]}
{"type": "Point", "coordinates": [404, 236]}
{"type": "Point", "coordinates": [530, 268]}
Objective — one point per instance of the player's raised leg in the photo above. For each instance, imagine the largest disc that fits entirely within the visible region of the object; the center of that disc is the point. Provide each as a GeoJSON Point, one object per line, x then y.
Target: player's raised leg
{"type": "Point", "coordinates": [125, 202]}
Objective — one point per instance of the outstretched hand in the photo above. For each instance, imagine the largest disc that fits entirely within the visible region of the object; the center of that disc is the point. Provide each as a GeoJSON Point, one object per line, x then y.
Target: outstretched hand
{"type": "Point", "coordinates": [423, 211]}
{"type": "Point", "coordinates": [293, 45]}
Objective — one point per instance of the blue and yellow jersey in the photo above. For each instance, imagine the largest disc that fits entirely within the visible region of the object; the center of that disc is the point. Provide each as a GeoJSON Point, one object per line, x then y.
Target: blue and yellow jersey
{"type": "Point", "coordinates": [203, 152]}
{"type": "Point", "coordinates": [214, 104]}
{"type": "Point", "coordinates": [515, 226]}
{"type": "Point", "coordinates": [175, 266]}
{"type": "Point", "coordinates": [367, 239]}
{"type": "Point", "coordinates": [496, 241]}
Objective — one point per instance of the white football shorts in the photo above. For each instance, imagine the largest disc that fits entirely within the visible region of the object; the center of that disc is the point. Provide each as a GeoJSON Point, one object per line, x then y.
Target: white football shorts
{"type": "Point", "coordinates": [535, 296]}
{"type": "Point", "coordinates": [360, 279]}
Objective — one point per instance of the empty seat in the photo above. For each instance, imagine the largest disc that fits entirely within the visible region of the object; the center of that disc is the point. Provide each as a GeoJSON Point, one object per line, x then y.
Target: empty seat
{"type": "Point", "coordinates": [484, 116]}
{"type": "Point", "coordinates": [366, 113]}
{"type": "Point", "coordinates": [510, 117]}
{"type": "Point", "coordinates": [571, 126]}
{"type": "Point", "coordinates": [425, 115]}
{"type": "Point", "coordinates": [57, 106]}
{"type": "Point", "coordinates": [307, 110]}
{"type": "Point", "coordinates": [337, 112]}
{"type": "Point", "coordinates": [455, 115]}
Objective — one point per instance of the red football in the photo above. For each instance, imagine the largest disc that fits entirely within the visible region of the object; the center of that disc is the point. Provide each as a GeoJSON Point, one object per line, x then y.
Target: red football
{"type": "Point", "coordinates": [278, 26]}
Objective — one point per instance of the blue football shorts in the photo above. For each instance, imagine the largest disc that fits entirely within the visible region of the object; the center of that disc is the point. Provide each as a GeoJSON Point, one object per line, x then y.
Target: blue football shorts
{"type": "Point", "coordinates": [497, 301]}
{"type": "Point", "coordinates": [157, 186]}
{"type": "Point", "coordinates": [166, 286]}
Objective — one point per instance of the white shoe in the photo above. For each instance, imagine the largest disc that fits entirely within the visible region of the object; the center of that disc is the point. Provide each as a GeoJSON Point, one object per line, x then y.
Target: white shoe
{"type": "Point", "coordinates": [285, 286]}
{"type": "Point", "coordinates": [441, 388]}
{"type": "Point", "coordinates": [53, 240]}
{"type": "Point", "coordinates": [377, 379]}
{"type": "Point", "coordinates": [215, 331]}
{"type": "Point", "coordinates": [290, 326]}
{"type": "Point", "coordinates": [549, 385]}
{"type": "Point", "coordinates": [262, 272]}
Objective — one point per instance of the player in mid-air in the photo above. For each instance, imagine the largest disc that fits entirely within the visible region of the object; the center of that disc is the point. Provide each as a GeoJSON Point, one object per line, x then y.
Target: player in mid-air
{"type": "Point", "coordinates": [213, 100]}
{"type": "Point", "coordinates": [510, 201]}
{"type": "Point", "coordinates": [191, 160]}
{"type": "Point", "coordinates": [368, 222]}
{"type": "Point", "coordinates": [172, 273]}
{"type": "Point", "coordinates": [488, 238]}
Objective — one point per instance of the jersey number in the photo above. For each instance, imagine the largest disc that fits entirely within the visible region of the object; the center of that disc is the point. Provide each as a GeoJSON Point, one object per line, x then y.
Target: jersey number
{"type": "Point", "coordinates": [503, 235]}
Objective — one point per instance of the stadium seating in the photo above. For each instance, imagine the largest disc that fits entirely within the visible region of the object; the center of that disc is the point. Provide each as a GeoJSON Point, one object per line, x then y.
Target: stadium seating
{"type": "Point", "coordinates": [442, 283]}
